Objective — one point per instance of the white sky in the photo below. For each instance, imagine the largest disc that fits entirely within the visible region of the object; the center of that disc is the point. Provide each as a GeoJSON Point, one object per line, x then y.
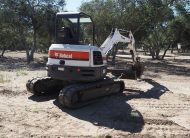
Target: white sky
{"type": "Point", "coordinates": [73, 5]}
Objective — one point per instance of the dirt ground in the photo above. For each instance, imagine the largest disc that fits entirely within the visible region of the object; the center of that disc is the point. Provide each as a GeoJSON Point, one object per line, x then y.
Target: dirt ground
{"type": "Point", "coordinates": [157, 105]}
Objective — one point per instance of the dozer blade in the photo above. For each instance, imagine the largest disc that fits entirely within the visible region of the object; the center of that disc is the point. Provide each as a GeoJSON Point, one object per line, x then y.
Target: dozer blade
{"type": "Point", "coordinates": [44, 85]}
{"type": "Point", "coordinates": [78, 95]}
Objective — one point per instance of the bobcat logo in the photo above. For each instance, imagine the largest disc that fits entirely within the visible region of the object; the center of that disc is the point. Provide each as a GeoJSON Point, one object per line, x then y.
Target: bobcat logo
{"type": "Point", "coordinates": [60, 55]}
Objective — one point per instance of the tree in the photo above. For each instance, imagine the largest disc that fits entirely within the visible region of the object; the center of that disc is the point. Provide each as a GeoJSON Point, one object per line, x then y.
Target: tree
{"type": "Point", "coordinates": [30, 20]}
{"type": "Point", "coordinates": [182, 24]}
{"type": "Point", "coordinates": [7, 34]}
{"type": "Point", "coordinates": [148, 20]}
{"type": "Point", "coordinates": [34, 11]}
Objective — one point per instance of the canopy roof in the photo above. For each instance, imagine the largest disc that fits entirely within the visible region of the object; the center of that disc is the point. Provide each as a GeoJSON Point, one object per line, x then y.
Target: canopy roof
{"type": "Point", "coordinates": [74, 16]}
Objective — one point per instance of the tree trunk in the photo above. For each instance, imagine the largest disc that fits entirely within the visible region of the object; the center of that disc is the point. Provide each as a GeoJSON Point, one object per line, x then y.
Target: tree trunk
{"type": "Point", "coordinates": [34, 46]}
{"type": "Point", "coordinates": [30, 53]}
{"type": "Point", "coordinates": [152, 53]}
{"type": "Point", "coordinates": [166, 51]}
{"type": "Point", "coordinates": [172, 50]}
{"type": "Point", "coordinates": [3, 52]}
{"type": "Point", "coordinates": [157, 54]}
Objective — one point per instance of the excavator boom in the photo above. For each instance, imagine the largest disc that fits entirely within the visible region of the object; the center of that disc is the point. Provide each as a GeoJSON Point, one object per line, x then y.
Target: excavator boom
{"type": "Point", "coordinates": [116, 37]}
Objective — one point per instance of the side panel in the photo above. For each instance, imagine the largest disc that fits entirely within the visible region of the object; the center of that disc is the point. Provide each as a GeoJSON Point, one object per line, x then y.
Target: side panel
{"type": "Point", "coordinates": [73, 55]}
{"type": "Point", "coordinates": [53, 61]}
{"type": "Point", "coordinates": [70, 55]}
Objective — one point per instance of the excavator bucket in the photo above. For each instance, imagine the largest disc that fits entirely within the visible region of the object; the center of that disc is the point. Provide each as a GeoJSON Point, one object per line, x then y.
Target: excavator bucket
{"type": "Point", "coordinates": [132, 71]}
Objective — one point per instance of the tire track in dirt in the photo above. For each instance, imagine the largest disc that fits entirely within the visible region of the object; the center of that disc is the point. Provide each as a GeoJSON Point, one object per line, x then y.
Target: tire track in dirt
{"type": "Point", "coordinates": [162, 106]}
{"type": "Point", "coordinates": [157, 114]}
{"type": "Point", "coordinates": [43, 117]}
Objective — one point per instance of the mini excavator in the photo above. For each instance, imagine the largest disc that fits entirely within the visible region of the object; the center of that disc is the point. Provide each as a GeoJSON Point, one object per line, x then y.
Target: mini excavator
{"type": "Point", "coordinates": [77, 69]}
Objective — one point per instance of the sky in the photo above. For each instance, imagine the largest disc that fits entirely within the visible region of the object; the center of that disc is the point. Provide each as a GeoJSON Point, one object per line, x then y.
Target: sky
{"type": "Point", "coordinates": [73, 5]}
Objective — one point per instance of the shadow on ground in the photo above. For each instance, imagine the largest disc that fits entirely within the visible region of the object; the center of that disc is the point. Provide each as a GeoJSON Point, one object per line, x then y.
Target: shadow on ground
{"type": "Point", "coordinates": [168, 66]}
{"type": "Point", "coordinates": [155, 92]}
{"type": "Point", "coordinates": [176, 67]}
{"type": "Point", "coordinates": [12, 63]}
{"type": "Point", "coordinates": [43, 98]}
{"type": "Point", "coordinates": [113, 111]}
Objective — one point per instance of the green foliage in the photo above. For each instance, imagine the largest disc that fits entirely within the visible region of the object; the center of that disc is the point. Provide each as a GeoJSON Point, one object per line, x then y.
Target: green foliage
{"type": "Point", "coordinates": [28, 24]}
{"type": "Point", "coordinates": [153, 23]}
{"type": "Point", "coordinates": [181, 26]}
{"type": "Point", "coordinates": [102, 13]}
{"type": "Point", "coordinates": [156, 24]}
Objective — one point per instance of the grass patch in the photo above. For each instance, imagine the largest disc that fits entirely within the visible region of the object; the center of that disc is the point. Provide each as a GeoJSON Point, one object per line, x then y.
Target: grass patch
{"type": "Point", "coordinates": [22, 72]}
{"type": "Point", "coordinates": [4, 79]}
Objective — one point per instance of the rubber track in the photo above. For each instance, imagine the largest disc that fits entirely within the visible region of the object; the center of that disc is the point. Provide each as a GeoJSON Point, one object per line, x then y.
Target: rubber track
{"type": "Point", "coordinates": [43, 85]}
{"type": "Point", "coordinates": [89, 92]}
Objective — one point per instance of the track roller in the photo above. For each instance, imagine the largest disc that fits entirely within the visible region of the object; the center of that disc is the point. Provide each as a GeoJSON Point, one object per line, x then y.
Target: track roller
{"type": "Point", "coordinates": [44, 85]}
{"type": "Point", "coordinates": [81, 94]}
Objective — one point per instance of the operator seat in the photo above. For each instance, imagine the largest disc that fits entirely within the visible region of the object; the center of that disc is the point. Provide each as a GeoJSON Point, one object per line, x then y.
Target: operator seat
{"type": "Point", "coordinates": [66, 36]}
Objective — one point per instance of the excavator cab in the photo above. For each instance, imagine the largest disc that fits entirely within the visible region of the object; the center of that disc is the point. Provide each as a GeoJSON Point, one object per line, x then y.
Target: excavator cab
{"type": "Point", "coordinates": [74, 28]}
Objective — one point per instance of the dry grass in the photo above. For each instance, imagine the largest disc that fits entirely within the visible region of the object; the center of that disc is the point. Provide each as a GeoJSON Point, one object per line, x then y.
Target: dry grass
{"type": "Point", "coordinates": [4, 78]}
{"type": "Point", "coordinates": [22, 72]}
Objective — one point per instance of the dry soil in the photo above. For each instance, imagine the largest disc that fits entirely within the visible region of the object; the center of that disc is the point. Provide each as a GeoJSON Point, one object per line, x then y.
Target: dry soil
{"type": "Point", "coordinates": [157, 105]}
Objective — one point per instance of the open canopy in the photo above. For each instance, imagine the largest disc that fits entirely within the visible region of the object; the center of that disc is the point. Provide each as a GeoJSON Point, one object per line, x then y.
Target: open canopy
{"type": "Point", "coordinates": [80, 24]}
{"type": "Point", "coordinates": [74, 16]}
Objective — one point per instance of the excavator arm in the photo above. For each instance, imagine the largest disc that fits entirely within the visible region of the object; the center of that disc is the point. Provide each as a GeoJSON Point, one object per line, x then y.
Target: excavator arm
{"type": "Point", "coordinates": [116, 37]}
